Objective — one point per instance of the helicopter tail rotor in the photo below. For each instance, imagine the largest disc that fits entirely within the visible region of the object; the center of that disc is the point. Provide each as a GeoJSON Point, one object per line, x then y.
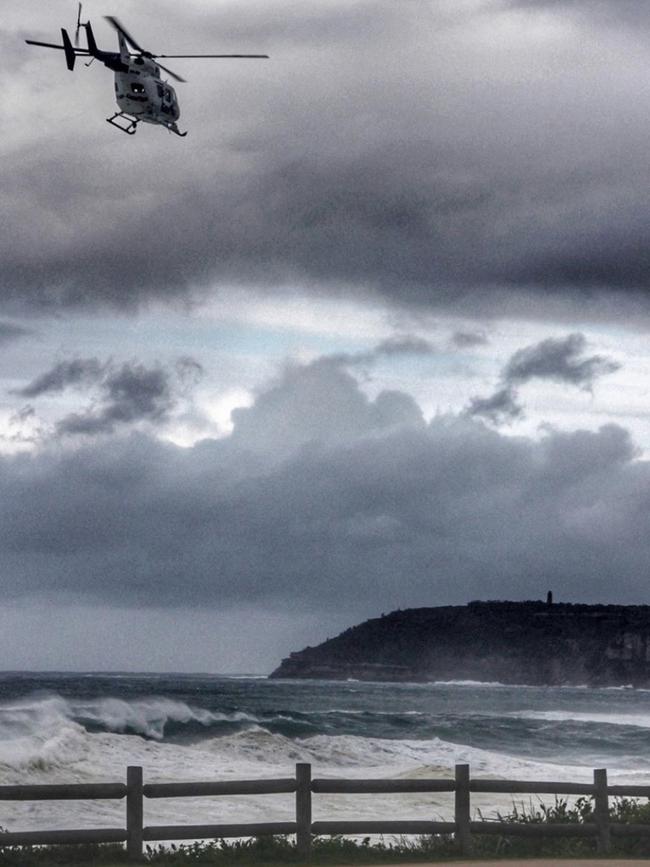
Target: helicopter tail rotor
{"type": "Point", "coordinates": [76, 33]}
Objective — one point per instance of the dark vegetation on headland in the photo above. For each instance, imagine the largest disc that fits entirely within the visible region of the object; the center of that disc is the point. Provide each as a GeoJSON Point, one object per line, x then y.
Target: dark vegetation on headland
{"type": "Point", "coordinates": [338, 850]}
{"type": "Point", "coordinates": [535, 643]}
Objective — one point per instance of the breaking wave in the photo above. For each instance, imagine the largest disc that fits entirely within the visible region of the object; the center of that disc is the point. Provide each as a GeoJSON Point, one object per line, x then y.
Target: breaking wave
{"type": "Point", "coordinates": [98, 738]}
{"type": "Point", "coordinates": [209, 729]}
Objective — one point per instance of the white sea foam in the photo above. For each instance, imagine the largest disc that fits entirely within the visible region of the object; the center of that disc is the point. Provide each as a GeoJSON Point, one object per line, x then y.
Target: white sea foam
{"type": "Point", "coordinates": [488, 683]}
{"type": "Point", "coordinates": [72, 754]}
{"type": "Point", "coordinates": [41, 741]}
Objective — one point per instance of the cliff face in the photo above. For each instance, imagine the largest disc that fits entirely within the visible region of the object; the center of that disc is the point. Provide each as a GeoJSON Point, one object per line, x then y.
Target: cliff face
{"type": "Point", "coordinates": [509, 642]}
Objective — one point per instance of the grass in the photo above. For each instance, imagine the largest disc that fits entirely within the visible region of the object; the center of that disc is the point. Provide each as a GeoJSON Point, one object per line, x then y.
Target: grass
{"type": "Point", "coordinates": [272, 851]}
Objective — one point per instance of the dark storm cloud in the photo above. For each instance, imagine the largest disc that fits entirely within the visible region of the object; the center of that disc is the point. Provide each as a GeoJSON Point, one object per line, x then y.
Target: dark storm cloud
{"type": "Point", "coordinates": [76, 372]}
{"type": "Point", "coordinates": [555, 359]}
{"type": "Point", "coordinates": [386, 148]}
{"type": "Point", "coordinates": [314, 501]}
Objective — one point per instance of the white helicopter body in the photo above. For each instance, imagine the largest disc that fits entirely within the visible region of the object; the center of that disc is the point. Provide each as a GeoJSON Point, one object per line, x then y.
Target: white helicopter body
{"type": "Point", "coordinates": [141, 93]}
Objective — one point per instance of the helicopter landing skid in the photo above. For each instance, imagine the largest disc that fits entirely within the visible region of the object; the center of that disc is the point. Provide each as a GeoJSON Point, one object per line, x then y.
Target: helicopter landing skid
{"type": "Point", "coordinates": [173, 128]}
{"type": "Point", "coordinates": [131, 122]}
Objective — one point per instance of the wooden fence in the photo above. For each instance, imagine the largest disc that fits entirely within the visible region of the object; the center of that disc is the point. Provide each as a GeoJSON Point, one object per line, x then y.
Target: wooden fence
{"type": "Point", "coordinates": [136, 833]}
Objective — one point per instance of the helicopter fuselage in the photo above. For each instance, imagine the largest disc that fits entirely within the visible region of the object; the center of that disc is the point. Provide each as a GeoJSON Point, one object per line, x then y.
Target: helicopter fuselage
{"type": "Point", "coordinates": [140, 92]}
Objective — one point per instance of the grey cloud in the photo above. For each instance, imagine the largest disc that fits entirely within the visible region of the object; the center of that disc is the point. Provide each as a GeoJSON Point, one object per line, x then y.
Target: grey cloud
{"type": "Point", "coordinates": [23, 414]}
{"type": "Point", "coordinates": [131, 393]}
{"type": "Point", "coordinates": [319, 403]}
{"type": "Point", "coordinates": [76, 372]}
{"type": "Point", "coordinates": [407, 344]}
{"type": "Point", "coordinates": [503, 196]}
{"type": "Point", "coordinates": [189, 371]}
{"type": "Point", "coordinates": [618, 13]}
{"type": "Point", "coordinates": [391, 347]}
{"type": "Point", "coordinates": [500, 407]}
{"type": "Point", "coordinates": [24, 427]}
{"type": "Point", "coordinates": [10, 332]}
{"type": "Point", "coordinates": [468, 339]}
{"type": "Point", "coordinates": [124, 394]}
{"type": "Point", "coordinates": [558, 359]}
{"type": "Point", "coordinates": [366, 510]}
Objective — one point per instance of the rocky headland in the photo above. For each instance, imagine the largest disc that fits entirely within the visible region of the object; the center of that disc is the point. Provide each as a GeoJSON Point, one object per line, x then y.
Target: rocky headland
{"type": "Point", "coordinates": [510, 642]}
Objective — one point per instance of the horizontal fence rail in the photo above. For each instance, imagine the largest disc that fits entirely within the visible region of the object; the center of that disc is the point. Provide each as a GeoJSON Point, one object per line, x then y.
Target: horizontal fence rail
{"type": "Point", "coordinates": [236, 787]}
{"type": "Point", "coordinates": [381, 787]}
{"type": "Point", "coordinates": [302, 786]}
{"type": "Point", "coordinates": [384, 827]}
{"type": "Point", "coordinates": [75, 792]}
{"type": "Point", "coordinates": [530, 787]}
{"type": "Point", "coordinates": [217, 832]}
{"type": "Point", "coordinates": [47, 838]}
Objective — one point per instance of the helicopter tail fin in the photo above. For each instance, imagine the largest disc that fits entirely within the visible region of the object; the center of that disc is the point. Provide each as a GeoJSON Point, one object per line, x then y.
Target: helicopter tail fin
{"type": "Point", "coordinates": [124, 48]}
{"type": "Point", "coordinates": [90, 36]}
{"type": "Point", "coordinates": [70, 55]}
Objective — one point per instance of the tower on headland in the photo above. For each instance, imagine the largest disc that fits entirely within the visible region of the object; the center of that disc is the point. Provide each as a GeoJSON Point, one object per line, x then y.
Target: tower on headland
{"type": "Point", "coordinates": [549, 597]}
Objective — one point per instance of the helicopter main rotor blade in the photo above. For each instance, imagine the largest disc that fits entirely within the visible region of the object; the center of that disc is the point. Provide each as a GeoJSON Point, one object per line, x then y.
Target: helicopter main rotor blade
{"type": "Point", "coordinates": [125, 33]}
{"type": "Point", "coordinates": [173, 74]}
{"type": "Point", "coordinates": [249, 56]}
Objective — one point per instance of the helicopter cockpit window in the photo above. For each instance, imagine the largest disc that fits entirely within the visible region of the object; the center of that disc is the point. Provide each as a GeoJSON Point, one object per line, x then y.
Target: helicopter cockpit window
{"type": "Point", "coordinates": [161, 91]}
{"type": "Point", "coordinates": [136, 87]}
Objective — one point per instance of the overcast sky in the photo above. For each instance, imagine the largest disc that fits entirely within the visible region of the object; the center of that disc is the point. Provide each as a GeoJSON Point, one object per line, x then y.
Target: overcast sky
{"type": "Point", "coordinates": [374, 335]}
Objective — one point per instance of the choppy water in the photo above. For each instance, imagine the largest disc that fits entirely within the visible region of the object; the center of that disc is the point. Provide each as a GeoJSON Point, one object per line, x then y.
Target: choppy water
{"type": "Point", "coordinates": [89, 727]}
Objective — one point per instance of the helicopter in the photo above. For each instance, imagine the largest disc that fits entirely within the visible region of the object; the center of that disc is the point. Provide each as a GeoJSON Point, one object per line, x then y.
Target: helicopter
{"type": "Point", "coordinates": [140, 92]}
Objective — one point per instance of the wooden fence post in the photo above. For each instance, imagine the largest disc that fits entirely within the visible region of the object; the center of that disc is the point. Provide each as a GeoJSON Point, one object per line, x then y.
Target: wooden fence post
{"type": "Point", "coordinates": [134, 813]}
{"type": "Point", "coordinates": [601, 811]}
{"type": "Point", "coordinates": [303, 809]}
{"type": "Point", "coordinates": [462, 810]}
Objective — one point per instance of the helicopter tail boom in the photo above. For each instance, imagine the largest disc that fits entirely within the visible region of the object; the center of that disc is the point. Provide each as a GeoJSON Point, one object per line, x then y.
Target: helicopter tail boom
{"type": "Point", "coordinates": [70, 52]}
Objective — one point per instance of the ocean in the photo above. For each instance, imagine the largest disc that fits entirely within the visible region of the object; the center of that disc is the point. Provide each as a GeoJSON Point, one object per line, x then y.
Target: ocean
{"type": "Point", "coordinates": [62, 727]}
